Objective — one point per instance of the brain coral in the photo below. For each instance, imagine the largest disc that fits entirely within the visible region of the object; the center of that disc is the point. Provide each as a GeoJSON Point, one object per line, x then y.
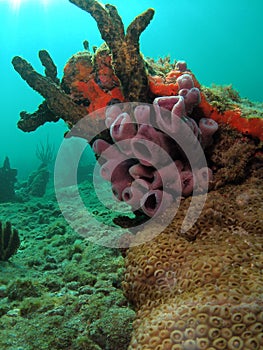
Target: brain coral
{"type": "Point", "coordinates": [202, 290]}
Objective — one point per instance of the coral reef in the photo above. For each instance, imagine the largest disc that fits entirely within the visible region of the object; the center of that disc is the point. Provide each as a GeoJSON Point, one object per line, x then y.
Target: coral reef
{"type": "Point", "coordinates": [199, 289]}
{"type": "Point", "coordinates": [205, 290]}
{"type": "Point", "coordinates": [91, 89]}
{"type": "Point", "coordinates": [9, 241]}
{"type": "Point", "coordinates": [116, 72]}
{"type": "Point", "coordinates": [7, 181]}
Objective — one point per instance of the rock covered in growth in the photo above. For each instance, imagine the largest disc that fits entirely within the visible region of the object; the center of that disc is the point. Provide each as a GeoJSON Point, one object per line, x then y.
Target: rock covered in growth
{"type": "Point", "coordinates": [134, 78]}
{"type": "Point", "coordinates": [37, 181]}
{"type": "Point", "coordinates": [123, 57]}
{"type": "Point", "coordinates": [233, 157]}
{"type": "Point", "coordinates": [124, 46]}
{"type": "Point", "coordinates": [203, 291]}
{"type": "Point", "coordinates": [7, 181]}
{"type": "Point", "coordinates": [9, 241]}
{"type": "Point", "coordinates": [90, 79]}
{"type": "Point", "coordinates": [57, 103]}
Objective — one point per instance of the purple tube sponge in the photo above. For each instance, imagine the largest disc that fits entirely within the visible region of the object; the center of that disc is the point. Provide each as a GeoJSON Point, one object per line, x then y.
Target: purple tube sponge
{"type": "Point", "coordinates": [112, 112]}
{"type": "Point", "coordinates": [142, 114]}
{"type": "Point", "coordinates": [100, 146]}
{"type": "Point", "coordinates": [187, 182]}
{"type": "Point", "coordinates": [168, 102]}
{"type": "Point", "coordinates": [192, 99]}
{"type": "Point", "coordinates": [107, 151]}
{"type": "Point", "coordinates": [108, 168]}
{"type": "Point", "coordinates": [155, 202]}
{"type": "Point", "coordinates": [139, 171]}
{"type": "Point", "coordinates": [178, 109]}
{"type": "Point", "coordinates": [203, 178]}
{"type": "Point", "coordinates": [154, 151]}
{"type": "Point", "coordinates": [185, 81]}
{"type": "Point", "coordinates": [181, 66]}
{"type": "Point", "coordinates": [132, 195]}
{"type": "Point", "coordinates": [167, 177]}
{"type": "Point", "coordinates": [183, 92]}
{"type": "Point", "coordinates": [168, 115]}
{"type": "Point", "coordinates": [193, 126]}
{"type": "Point", "coordinates": [208, 127]}
{"type": "Point", "coordinates": [120, 178]}
{"type": "Point", "coordinates": [123, 129]}
{"type": "Point", "coordinates": [151, 146]}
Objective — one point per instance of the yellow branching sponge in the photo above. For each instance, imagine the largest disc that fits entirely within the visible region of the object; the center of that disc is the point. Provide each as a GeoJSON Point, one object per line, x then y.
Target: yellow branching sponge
{"type": "Point", "coordinates": [204, 290]}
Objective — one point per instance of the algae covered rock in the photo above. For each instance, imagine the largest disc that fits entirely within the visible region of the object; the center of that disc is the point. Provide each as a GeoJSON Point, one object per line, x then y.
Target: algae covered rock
{"type": "Point", "coordinates": [7, 181]}
{"type": "Point", "coordinates": [22, 288]}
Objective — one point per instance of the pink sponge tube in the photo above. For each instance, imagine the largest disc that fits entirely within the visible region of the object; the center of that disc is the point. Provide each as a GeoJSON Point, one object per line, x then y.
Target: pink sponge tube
{"type": "Point", "coordinates": [150, 146]}
{"type": "Point", "coordinates": [108, 168]}
{"type": "Point", "coordinates": [181, 66]}
{"type": "Point", "coordinates": [100, 146]}
{"type": "Point", "coordinates": [167, 177]}
{"type": "Point", "coordinates": [166, 102]}
{"type": "Point", "coordinates": [122, 128]}
{"type": "Point", "coordinates": [208, 127]}
{"type": "Point", "coordinates": [120, 178]}
{"type": "Point", "coordinates": [142, 114]}
{"type": "Point", "coordinates": [155, 202]}
{"type": "Point", "coordinates": [133, 194]}
{"type": "Point", "coordinates": [203, 178]}
{"type": "Point", "coordinates": [107, 151]}
{"type": "Point", "coordinates": [185, 81]}
{"type": "Point", "coordinates": [192, 99]}
{"type": "Point", "coordinates": [139, 171]}
{"type": "Point", "coordinates": [112, 112]}
{"type": "Point", "coordinates": [193, 126]}
{"type": "Point", "coordinates": [168, 111]}
{"type": "Point", "coordinates": [187, 182]}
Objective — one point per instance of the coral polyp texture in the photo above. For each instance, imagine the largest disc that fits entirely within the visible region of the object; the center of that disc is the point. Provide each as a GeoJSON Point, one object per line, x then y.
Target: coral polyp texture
{"type": "Point", "coordinates": [204, 292]}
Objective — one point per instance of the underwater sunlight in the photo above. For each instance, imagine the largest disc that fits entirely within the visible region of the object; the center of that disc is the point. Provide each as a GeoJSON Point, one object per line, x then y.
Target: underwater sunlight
{"type": "Point", "coordinates": [16, 4]}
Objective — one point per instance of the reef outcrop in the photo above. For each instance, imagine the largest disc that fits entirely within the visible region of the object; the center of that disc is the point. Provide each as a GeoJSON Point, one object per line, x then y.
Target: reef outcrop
{"type": "Point", "coordinates": [196, 289]}
{"type": "Point", "coordinates": [116, 71]}
{"type": "Point", "coordinates": [7, 181]}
